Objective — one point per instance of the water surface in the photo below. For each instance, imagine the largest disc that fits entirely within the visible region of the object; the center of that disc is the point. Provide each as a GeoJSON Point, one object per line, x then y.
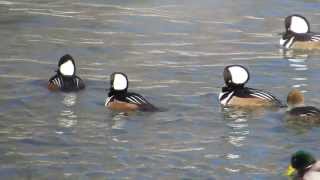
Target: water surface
{"type": "Point", "coordinates": [174, 53]}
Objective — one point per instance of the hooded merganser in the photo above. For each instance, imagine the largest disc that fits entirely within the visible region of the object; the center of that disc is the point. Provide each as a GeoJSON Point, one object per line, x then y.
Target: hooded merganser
{"type": "Point", "coordinates": [66, 79]}
{"type": "Point", "coordinates": [297, 109]}
{"type": "Point", "coordinates": [235, 94]}
{"type": "Point", "coordinates": [304, 166]}
{"type": "Point", "coordinates": [298, 34]}
{"type": "Point", "coordinates": [121, 100]}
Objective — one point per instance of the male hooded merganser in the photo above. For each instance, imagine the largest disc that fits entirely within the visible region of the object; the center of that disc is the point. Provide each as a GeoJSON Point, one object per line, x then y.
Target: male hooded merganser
{"type": "Point", "coordinates": [66, 79]}
{"type": "Point", "coordinates": [298, 34]}
{"type": "Point", "coordinates": [235, 94]}
{"type": "Point", "coordinates": [304, 166]}
{"type": "Point", "coordinates": [120, 99]}
{"type": "Point", "coordinates": [297, 109]}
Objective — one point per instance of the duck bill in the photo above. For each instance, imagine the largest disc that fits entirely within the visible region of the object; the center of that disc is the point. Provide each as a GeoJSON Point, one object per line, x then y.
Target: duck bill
{"type": "Point", "coordinates": [290, 171]}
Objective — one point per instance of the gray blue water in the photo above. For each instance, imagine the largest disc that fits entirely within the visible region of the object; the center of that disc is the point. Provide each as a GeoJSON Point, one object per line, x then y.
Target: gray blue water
{"type": "Point", "coordinates": [174, 53]}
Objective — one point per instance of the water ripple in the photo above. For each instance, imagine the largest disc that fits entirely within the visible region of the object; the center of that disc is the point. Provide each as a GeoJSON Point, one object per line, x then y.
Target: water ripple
{"type": "Point", "coordinates": [24, 60]}
{"type": "Point", "coordinates": [6, 3]}
{"type": "Point", "coordinates": [183, 149]}
{"type": "Point", "coordinates": [164, 44]}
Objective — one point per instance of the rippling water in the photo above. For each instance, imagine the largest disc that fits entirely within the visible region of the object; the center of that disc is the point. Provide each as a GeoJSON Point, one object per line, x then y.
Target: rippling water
{"type": "Point", "coordinates": [174, 53]}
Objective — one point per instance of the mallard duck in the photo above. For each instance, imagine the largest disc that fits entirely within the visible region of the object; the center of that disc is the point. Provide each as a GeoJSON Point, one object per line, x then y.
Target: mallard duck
{"type": "Point", "coordinates": [304, 166]}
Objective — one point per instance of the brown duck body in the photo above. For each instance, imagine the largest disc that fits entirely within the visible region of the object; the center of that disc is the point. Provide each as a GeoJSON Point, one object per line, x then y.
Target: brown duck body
{"type": "Point", "coordinates": [306, 45]}
{"type": "Point", "coordinates": [122, 106]}
{"type": "Point", "coordinates": [247, 97]}
{"type": "Point", "coordinates": [249, 102]}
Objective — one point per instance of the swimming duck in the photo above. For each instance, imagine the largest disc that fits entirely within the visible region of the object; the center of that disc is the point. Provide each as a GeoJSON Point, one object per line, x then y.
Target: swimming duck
{"type": "Point", "coordinates": [120, 99]}
{"type": "Point", "coordinates": [236, 94]}
{"type": "Point", "coordinates": [298, 34]}
{"type": "Point", "coordinates": [65, 78]}
{"type": "Point", "coordinates": [297, 109]}
{"type": "Point", "coordinates": [304, 166]}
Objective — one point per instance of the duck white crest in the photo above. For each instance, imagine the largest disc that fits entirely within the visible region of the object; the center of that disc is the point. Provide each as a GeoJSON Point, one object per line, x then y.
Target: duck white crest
{"type": "Point", "coordinates": [239, 75]}
{"type": "Point", "coordinates": [67, 68]}
{"type": "Point", "coordinates": [120, 82]}
{"type": "Point", "coordinates": [299, 25]}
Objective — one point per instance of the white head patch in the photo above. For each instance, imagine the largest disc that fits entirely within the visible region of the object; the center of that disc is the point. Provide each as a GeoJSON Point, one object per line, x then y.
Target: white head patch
{"type": "Point", "coordinates": [67, 68]}
{"type": "Point", "coordinates": [120, 82]}
{"type": "Point", "coordinates": [239, 75]}
{"type": "Point", "coordinates": [298, 25]}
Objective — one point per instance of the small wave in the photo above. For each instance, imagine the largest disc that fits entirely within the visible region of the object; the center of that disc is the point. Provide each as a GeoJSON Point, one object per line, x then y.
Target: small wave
{"type": "Point", "coordinates": [92, 42]}
{"type": "Point", "coordinates": [295, 60]}
{"type": "Point", "coordinates": [247, 43]}
{"type": "Point", "coordinates": [183, 150]}
{"type": "Point", "coordinates": [107, 32]}
{"type": "Point", "coordinates": [253, 17]}
{"type": "Point", "coordinates": [301, 69]}
{"type": "Point", "coordinates": [135, 52]}
{"type": "Point", "coordinates": [179, 21]}
{"type": "Point", "coordinates": [298, 65]}
{"type": "Point", "coordinates": [261, 35]}
{"type": "Point", "coordinates": [233, 156]}
{"type": "Point", "coordinates": [156, 52]}
{"type": "Point", "coordinates": [49, 14]}
{"type": "Point", "coordinates": [215, 22]}
{"type": "Point", "coordinates": [94, 77]}
{"type": "Point", "coordinates": [66, 12]}
{"type": "Point", "coordinates": [104, 6]}
{"type": "Point", "coordinates": [120, 141]}
{"type": "Point", "coordinates": [175, 34]}
{"type": "Point", "coordinates": [243, 133]}
{"type": "Point", "coordinates": [18, 9]}
{"type": "Point", "coordinates": [92, 69]}
{"type": "Point", "coordinates": [57, 41]}
{"type": "Point", "coordinates": [6, 3]}
{"type": "Point", "coordinates": [300, 79]}
{"type": "Point", "coordinates": [116, 21]}
{"type": "Point", "coordinates": [178, 81]}
{"type": "Point", "coordinates": [83, 17]}
{"type": "Point", "coordinates": [236, 140]}
{"type": "Point", "coordinates": [299, 85]}
{"type": "Point", "coordinates": [164, 44]}
{"type": "Point", "coordinates": [24, 60]}
{"type": "Point", "coordinates": [33, 35]}
{"type": "Point", "coordinates": [19, 77]}
{"type": "Point", "coordinates": [237, 126]}
{"type": "Point", "coordinates": [232, 170]}
{"type": "Point", "coordinates": [192, 53]}
{"type": "Point", "coordinates": [204, 65]}
{"type": "Point", "coordinates": [152, 87]}
{"type": "Point", "coordinates": [257, 57]}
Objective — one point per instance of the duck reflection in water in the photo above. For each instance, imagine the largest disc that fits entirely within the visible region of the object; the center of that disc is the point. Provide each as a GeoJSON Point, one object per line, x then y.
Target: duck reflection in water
{"type": "Point", "coordinates": [68, 118]}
